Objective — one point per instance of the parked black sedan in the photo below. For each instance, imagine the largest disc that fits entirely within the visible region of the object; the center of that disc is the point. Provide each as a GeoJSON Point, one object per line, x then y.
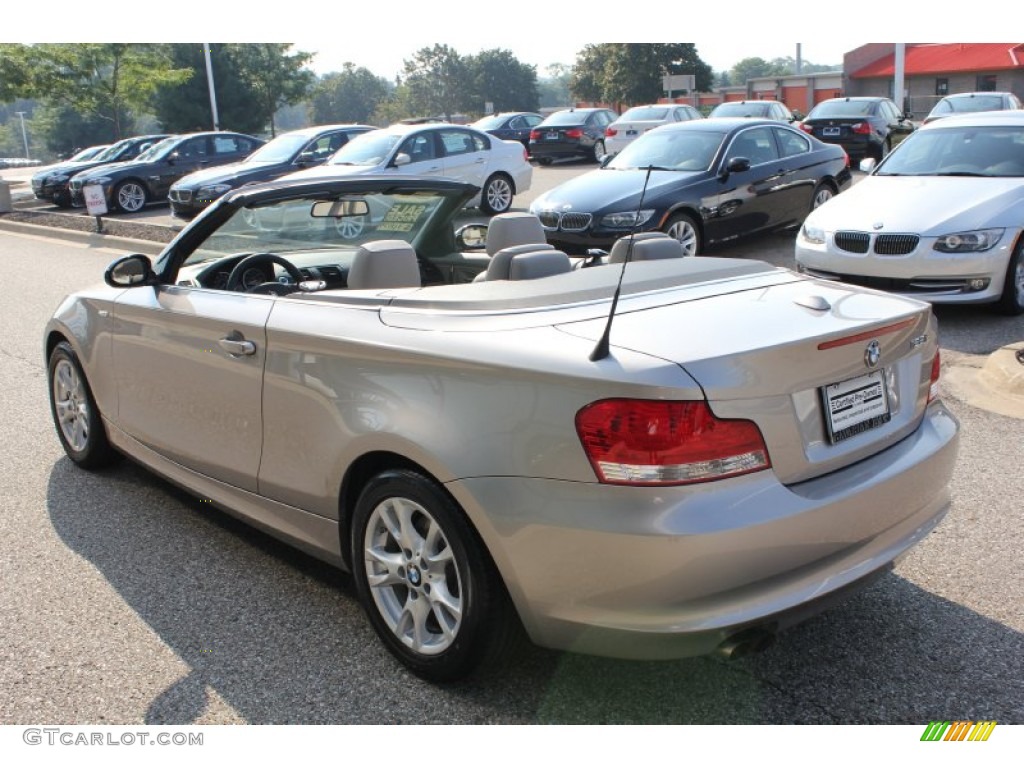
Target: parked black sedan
{"type": "Point", "coordinates": [286, 153]}
{"type": "Point", "coordinates": [867, 126]}
{"type": "Point", "coordinates": [130, 186]}
{"type": "Point", "coordinates": [703, 182]}
{"type": "Point", "coordinates": [52, 183]}
{"type": "Point", "coordinates": [571, 133]}
{"type": "Point", "coordinates": [511, 126]}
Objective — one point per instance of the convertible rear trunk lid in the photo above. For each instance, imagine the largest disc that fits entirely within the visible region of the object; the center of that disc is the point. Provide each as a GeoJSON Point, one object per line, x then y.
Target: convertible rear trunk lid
{"type": "Point", "coordinates": [830, 373]}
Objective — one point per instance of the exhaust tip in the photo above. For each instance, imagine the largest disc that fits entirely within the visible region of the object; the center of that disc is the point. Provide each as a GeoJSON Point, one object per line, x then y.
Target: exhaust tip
{"type": "Point", "coordinates": [745, 642]}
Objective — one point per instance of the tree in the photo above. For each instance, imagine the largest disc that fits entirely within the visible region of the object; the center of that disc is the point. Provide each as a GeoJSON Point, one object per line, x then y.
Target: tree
{"type": "Point", "coordinates": [554, 87]}
{"type": "Point", "coordinates": [109, 81]}
{"type": "Point", "coordinates": [274, 77]}
{"type": "Point", "coordinates": [754, 66]}
{"type": "Point", "coordinates": [438, 82]}
{"type": "Point", "coordinates": [633, 72]}
{"type": "Point", "coordinates": [349, 96]}
{"type": "Point", "coordinates": [500, 78]}
{"type": "Point", "coordinates": [185, 107]}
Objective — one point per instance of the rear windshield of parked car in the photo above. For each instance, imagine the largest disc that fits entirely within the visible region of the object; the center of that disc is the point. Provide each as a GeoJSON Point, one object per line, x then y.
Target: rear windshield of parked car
{"type": "Point", "coordinates": [645, 113]}
{"type": "Point", "coordinates": [567, 118]}
{"type": "Point", "coordinates": [842, 109]}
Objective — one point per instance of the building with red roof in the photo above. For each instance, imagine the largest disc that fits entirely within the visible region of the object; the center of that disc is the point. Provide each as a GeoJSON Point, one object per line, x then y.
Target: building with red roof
{"type": "Point", "coordinates": [934, 70]}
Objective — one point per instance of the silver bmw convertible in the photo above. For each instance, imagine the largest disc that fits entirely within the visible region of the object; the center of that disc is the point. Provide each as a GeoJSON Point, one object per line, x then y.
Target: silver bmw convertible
{"type": "Point", "coordinates": [632, 454]}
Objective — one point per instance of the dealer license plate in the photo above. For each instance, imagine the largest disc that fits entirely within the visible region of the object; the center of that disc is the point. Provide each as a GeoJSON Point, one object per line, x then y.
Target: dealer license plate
{"type": "Point", "coordinates": [830, 131]}
{"type": "Point", "coordinates": [552, 135]}
{"type": "Point", "coordinates": [855, 405]}
{"type": "Point", "coordinates": [631, 132]}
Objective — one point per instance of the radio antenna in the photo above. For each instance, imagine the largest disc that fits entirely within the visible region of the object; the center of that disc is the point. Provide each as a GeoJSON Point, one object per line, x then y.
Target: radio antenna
{"type": "Point", "coordinates": [601, 351]}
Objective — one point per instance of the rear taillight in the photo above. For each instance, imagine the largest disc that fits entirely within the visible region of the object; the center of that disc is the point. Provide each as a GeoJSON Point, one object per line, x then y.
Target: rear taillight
{"type": "Point", "coordinates": [933, 388]}
{"type": "Point", "coordinates": [806, 128]}
{"type": "Point", "coordinates": [609, 131]}
{"type": "Point", "coordinates": [658, 442]}
{"type": "Point", "coordinates": [861, 128]}
{"type": "Point", "coordinates": [534, 135]}
{"type": "Point", "coordinates": [574, 133]}
{"type": "Point", "coordinates": [847, 156]}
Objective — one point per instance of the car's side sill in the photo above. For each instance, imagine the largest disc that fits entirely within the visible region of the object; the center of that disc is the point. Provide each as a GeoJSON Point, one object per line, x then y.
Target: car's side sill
{"type": "Point", "coordinates": [313, 534]}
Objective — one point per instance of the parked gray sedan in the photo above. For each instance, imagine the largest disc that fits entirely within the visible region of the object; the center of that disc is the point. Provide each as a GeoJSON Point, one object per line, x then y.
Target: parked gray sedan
{"type": "Point", "coordinates": [748, 446]}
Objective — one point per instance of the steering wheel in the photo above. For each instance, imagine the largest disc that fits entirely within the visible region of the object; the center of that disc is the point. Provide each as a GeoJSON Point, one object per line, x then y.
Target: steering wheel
{"type": "Point", "coordinates": [254, 259]}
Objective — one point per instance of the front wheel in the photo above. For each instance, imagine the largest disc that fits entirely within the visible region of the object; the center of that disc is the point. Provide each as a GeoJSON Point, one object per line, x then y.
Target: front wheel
{"type": "Point", "coordinates": [497, 194]}
{"type": "Point", "coordinates": [428, 586]}
{"type": "Point", "coordinates": [1012, 300]}
{"type": "Point", "coordinates": [74, 411]}
{"type": "Point", "coordinates": [131, 196]}
{"type": "Point", "coordinates": [683, 228]}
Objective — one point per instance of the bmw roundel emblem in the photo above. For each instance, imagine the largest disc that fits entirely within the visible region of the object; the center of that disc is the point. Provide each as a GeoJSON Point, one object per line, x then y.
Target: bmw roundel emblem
{"type": "Point", "coordinates": [872, 354]}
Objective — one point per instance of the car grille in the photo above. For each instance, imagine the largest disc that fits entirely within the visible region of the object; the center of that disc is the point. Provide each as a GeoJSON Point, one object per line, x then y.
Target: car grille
{"type": "Point", "coordinates": [566, 222]}
{"type": "Point", "coordinates": [180, 195]}
{"type": "Point", "coordinates": [884, 245]}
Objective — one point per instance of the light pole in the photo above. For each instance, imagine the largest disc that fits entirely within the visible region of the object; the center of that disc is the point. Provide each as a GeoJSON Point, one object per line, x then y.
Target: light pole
{"type": "Point", "coordinates": [24, 136]}
{"type": "Point", "coordinates": [209, 83]}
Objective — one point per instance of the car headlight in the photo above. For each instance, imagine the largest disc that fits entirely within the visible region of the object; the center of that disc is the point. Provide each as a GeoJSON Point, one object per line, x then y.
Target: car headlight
{"type": "Point", "coordinates": [211, 191]}
{"type": "Point", "coordinates": [814, 235]}
{"type": "Point", "coordinates": [626, 219]}
{"type": "Point", "coordinates": [968, 242]}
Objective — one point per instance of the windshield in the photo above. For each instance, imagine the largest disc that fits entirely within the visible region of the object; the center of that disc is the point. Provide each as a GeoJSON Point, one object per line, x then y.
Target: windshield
{"type": "Point", "coordinates": [112, 152]}
{"type": "Point", "coordinates": [740, 109]}
{"type": "Point", "coordinates": [976, 103]}
{"type": "Point", "coordinates": [279, 150]}
{"type": "Point", "coordinates": [86, 154]}
{"type": "Point", "coordinates": [294, 226]}
{"type": "Point", "coordinates": [368, 149]}
{"type": "Point", "coordinates": [844, 108]}
{"type": "Point", "coordinates": [158, 150]}
{"type": "Point", "coordinates": [645, 113]}
{"type": "Point", "coordinates": [670, 150]}
{"type": "Point", "coordinates": [962, 151]}
{"type": "Point", "coordinates": [565, 118]}
{"type": "Point", "coordinates": [489, 123]}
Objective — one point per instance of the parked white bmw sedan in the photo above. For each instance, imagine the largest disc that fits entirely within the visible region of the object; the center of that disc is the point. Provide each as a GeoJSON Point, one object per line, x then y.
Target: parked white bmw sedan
{"type": "Point", "coordinates": [940, 219]}
{"type": "Point", "coordinates": [637, 121]}
{"type": "Point", "coordinates": [436, 150]}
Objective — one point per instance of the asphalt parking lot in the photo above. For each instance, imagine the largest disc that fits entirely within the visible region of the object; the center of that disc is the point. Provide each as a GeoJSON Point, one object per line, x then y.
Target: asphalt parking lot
{"type": "Point", "coordinates": [128, 601]}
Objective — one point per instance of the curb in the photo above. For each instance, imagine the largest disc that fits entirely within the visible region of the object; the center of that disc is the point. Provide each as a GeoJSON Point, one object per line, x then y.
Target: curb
{"type": "Point", "coordinates": [92, 239]}
{"type": "Point", "coordinates": [996, 385]}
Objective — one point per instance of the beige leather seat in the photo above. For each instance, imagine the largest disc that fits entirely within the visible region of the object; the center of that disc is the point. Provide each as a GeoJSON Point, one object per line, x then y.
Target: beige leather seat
{"type": "Point", "coordinates": [525, 264]}
{"type": "Point", "coordinates": [510, 229]}
{"type": "Point", "coordinates": [384, 264]}
{"type": "Point", "coordinates": [647, 246]}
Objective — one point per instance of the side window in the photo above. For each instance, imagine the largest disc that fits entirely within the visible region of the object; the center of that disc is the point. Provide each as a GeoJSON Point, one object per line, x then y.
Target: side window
{"type": "Point", "coordinates": [792, 143]}
{"type": "Point", "coordinates": [193, 148]}
{"type": "Point", "coordinates": [517, 123]}
{"type": "Point", "coordinates": [756, 144]}
{"type": "Point", "coordinates": [419, 147]}
{"type": "Point", "coordinates": [225, 145]}
{"type": "Point", "coordinates": [533, 120]}
{"type": "Point", "coordinates": [457, 142]}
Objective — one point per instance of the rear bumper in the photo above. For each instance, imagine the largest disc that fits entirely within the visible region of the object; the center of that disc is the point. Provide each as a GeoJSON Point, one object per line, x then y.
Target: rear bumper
{"type": "Point", "coordinates": [664, 573]}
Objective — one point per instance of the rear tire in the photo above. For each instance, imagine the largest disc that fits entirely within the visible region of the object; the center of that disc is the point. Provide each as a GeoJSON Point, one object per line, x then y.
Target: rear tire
{"type": "Point", "coordinates": [496, 196]}
{"type": "Point", "coordinates": [1012, 300]}
{"type": "Point", "coordinates": [426, 580]}
{"type": "Point", "coordinates": [75, 415]}
{"type": "Point", "coordinates": [822, 194]}
{"type": "Point", "coordinates": [598, 151]}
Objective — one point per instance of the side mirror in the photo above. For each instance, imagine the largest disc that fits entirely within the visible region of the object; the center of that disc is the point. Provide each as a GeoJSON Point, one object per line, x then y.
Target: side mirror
{"type": "Point", "coordinates": [471, 237]}
{"type": "Point", "coordinates": [173, 158]}
{"type": "Point", "coordinates": [401, 159]}
{"type": "Point", "coordinates": [130, 271]}
{"type": "Point", "coordinates": [305, 158]}
{"type": "Point", "coordinates": [735, 165]}
{"type": "Point", "coordinates": [867, 165]}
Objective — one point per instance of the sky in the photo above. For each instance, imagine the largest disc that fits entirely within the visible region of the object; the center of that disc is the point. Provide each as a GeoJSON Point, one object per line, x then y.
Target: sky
{"type": "Point", "coordinates": [381, 35]}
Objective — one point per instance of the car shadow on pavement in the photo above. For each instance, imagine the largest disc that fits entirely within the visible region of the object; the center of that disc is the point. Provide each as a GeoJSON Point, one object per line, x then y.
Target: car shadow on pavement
{"type": "Point", "coordinates": [280, 638]}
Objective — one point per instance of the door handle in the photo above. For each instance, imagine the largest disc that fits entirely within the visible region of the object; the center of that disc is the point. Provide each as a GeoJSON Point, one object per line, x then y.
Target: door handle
{"type": "Point", "coordinates": [236, 346]}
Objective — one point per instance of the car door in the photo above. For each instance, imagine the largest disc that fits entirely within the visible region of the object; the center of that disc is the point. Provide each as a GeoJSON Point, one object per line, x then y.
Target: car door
{"type": "Point", "coordinates": [466, 156]}
{"type": "Point", "coordinates": [189, 156]}
{"type": "Point", "coordinates": [751, 200]}
{"type": "Point", "coordinates": [189, 365]}
{"type": "Point", "coordinates": [898, 126]}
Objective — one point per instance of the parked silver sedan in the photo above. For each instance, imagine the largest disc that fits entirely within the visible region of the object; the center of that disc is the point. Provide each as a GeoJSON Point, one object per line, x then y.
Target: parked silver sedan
{"type": "Point", "coordinates": [719, 451]}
